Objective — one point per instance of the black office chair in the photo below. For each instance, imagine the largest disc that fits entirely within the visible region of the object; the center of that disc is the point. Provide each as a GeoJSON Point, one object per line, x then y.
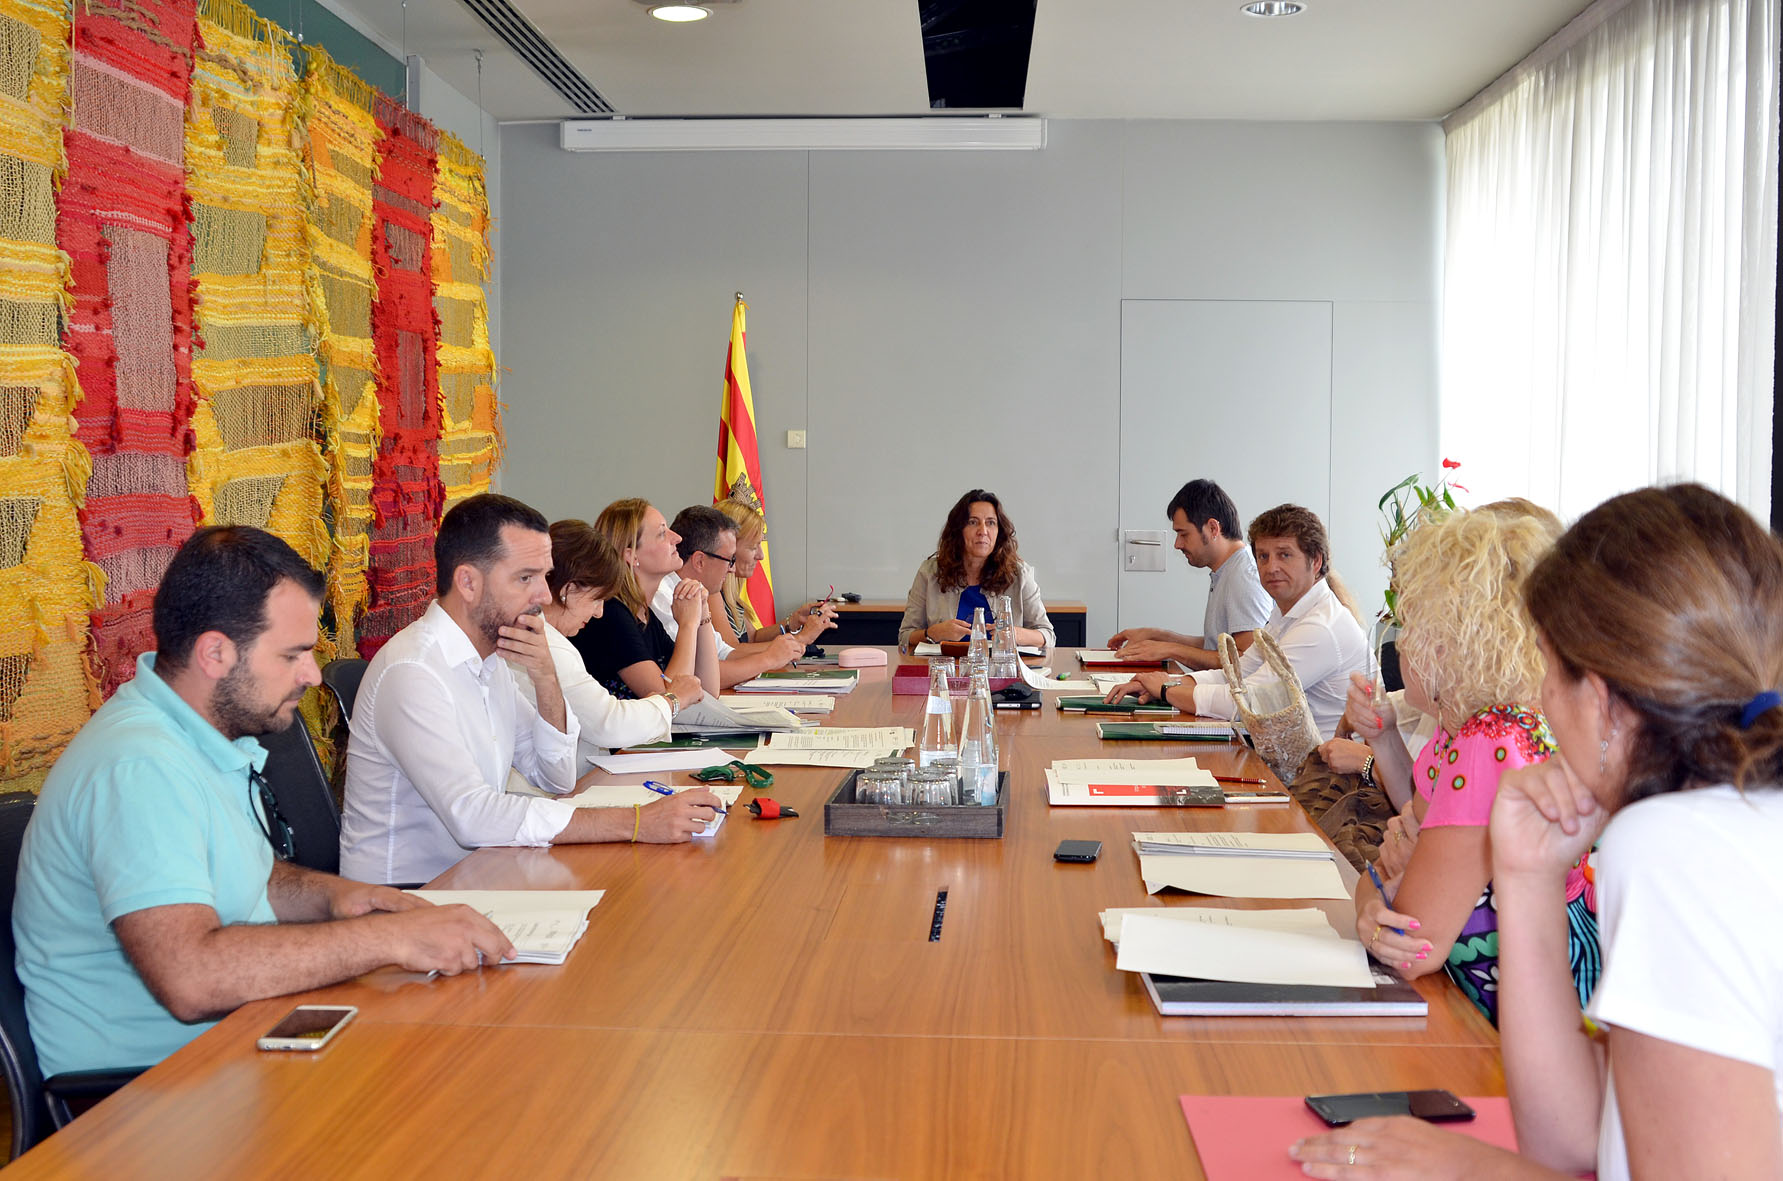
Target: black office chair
{"type": "Point", "coordinates": [342, 679]}
{"type": "Point", "coordinates": [303, 797]}
{"type": "Point", "coordinates": [39, 1105]}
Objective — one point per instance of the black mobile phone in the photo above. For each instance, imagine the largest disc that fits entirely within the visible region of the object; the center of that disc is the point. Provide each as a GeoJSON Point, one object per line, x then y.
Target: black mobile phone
{"type": "Point", "coordinates": [1077, 851]}
{"type": "Point", "coordinates": [1435, 1106]}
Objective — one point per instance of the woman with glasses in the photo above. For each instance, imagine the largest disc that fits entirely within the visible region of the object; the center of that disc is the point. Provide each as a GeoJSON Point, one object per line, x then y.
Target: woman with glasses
{"type": "Point", "coordinates": [627, 648]}
{"type": "Point", "coordinates": [974, 559]}
{"type": "Point", "coordinates": [807, 621]}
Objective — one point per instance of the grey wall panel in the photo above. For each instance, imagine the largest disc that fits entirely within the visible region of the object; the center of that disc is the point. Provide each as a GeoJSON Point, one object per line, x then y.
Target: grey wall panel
{"type": "Point", "coordinates": [906, 307]}
{"type": "Point", "coordinates": [965, 332]}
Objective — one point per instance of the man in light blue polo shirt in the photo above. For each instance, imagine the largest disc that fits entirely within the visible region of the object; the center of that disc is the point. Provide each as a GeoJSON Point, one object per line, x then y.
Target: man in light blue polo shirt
{"type": "Point", "coordinates": [1207, 535]}
{"type": "Point", "coordinates": [150, 902]}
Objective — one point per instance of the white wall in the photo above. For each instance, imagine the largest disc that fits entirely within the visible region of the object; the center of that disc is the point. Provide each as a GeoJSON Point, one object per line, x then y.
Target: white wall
{"type": "Point", "coordinates": [944, 320]}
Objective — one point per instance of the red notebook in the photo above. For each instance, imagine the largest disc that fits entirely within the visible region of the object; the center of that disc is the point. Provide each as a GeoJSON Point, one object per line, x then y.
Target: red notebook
{"type": "Point", "coordinates": [1246, 1137]}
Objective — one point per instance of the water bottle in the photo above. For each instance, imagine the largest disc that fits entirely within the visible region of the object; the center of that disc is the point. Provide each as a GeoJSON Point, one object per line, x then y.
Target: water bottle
{"type": "Point", "coordinates": [978, 651]}
{"type": "Point", "coordinates": [1005, 661]}
{"type": "Point", "coordinates": [978, 744]}
{"type": "Point", "coordinates": [937, 739]}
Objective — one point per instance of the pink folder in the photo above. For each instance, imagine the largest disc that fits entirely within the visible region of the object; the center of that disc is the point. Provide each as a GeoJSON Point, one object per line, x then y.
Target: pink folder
{"type": "Point", "coordinates": [1246, 1138]}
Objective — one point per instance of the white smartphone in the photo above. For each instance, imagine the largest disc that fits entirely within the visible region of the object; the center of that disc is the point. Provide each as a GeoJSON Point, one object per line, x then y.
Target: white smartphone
{"type": "Point", "coordinates": [307, 1027]}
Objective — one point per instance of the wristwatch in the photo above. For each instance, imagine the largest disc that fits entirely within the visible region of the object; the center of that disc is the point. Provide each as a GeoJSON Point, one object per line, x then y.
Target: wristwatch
{"type": "Point", "coordinates": [668, 695]}
{"type": "Point", "coordinates": [1368, 771]}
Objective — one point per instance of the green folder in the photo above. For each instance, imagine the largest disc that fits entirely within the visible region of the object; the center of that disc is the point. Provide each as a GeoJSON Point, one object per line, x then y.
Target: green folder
{"type": "Point", "coordinates": [1126, 705]}
{"type": "Point", "coordinates": [1150, 732]}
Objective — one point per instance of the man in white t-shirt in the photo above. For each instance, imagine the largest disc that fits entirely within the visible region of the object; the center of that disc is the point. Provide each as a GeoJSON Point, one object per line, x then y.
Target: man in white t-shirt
{"type": "Point", "coordinates": [1208, 536]}
{"type": "Point", "coordinates": [1316, 630]}
{"type": "Point", "coordinates": [708, 549]}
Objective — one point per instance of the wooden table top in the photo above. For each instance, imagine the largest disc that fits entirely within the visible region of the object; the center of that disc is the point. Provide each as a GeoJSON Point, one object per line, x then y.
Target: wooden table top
{"type": "Point", "coordinates": [768, 1004]}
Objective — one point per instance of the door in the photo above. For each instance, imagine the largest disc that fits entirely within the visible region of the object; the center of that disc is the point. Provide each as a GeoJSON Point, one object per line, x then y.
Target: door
{"type": "Point", "coordinates": [1234, 391]}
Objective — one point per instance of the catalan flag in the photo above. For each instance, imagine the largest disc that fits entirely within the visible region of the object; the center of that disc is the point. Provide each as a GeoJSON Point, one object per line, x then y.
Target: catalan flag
{"type": "Point", "coordinates": [739, 463]}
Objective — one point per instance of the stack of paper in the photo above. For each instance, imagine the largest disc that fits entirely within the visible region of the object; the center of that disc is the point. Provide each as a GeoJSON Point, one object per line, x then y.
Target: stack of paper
{"type": "Point", "coordinates": [931, 648]}
{"type": "Point", "coordinates": [543, 925]}
{"type": "Point", "coordinates": [707, 716]}
{"type": "Point", "coordinates": [1239, 864]}
{"type": "Point", "coordinates": [798, 703]}
{"type": "Point", "coordinates": [833, 746]}
{"type": "Point", "coordinates": [804, 680]}
{"type": "Point", "coordinates": [643, 760]}
{"type": "Point", "coordinates": [1246, 946]}
{"type": "Point", "coordinates": [1104, 658]}
{"type": "Point", "coordinates": [1132, 783]}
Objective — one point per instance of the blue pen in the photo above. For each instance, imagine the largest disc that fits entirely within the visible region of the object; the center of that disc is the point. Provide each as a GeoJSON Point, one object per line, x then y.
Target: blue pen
{"type": "Point", "coordinates": [1378, 885]}
{"type": "Point", "coordinates": [663, 789]}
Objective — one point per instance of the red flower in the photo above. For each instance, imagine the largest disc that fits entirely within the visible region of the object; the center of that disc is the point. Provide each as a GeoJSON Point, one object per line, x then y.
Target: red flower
{"type": "Point", "coordinates": [1450, 463]}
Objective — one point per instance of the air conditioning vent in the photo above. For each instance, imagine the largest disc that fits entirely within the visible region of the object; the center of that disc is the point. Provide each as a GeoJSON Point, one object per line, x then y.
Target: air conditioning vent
{"type": "Point", "coordinates": [511, 26]}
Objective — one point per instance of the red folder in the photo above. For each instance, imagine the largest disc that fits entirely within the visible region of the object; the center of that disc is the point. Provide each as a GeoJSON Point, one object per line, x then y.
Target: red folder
{"type": "Point", "coordinates": [1246, 1138]}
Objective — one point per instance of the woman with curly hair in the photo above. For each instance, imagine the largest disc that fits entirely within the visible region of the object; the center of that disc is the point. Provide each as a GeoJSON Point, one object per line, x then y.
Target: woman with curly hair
{"type": "Point", "coordinates": [1469, 657]}
{"type": "Point", "coordinates": [975, 558]}
{"type": "Point", "coordinates": [1660, 615]}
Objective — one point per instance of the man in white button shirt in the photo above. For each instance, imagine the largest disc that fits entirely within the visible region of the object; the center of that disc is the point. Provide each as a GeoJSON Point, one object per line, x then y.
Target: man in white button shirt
{"type": "Point", "coordinates": [1313, 623]}
{"type": "Point", "coordinates": [439, 720]}
{"type": "Point", "coordinates": [708, 549]}
{"type": "Point", "coordinates": [1208, 536]}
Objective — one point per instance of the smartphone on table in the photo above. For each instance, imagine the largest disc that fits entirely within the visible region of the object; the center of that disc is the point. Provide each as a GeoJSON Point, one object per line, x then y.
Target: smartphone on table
{"type": "Point", "coordinates": [307, 1027]}
{"type": "Point", "coordinates": [1435, 1106]}
{"type": "Point", "coordinates": [1077, 851]}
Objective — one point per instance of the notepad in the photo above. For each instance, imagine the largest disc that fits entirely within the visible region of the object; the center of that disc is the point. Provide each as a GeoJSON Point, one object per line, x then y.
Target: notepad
{"type": "Point", "coordinates": [1126, 705]}
{"type": "Point", "coordinates": [1239, 865]}
{"type": "Point", "coordinates": [1164, 731]}
{"type": "Point", "coordinates": [1132, 783]}
{"type": "Point", "coordinates": [543, 925]}
{"type": "Point", "coordinates": [801, 680]}
{"type": "Point", "coordinates": [1104, 658]}
{"type": "Point", "coordinates": [771, 756]}
{"type": "Point", "coordinates": [1242, 954]}
{"type": "Point", "coordinates": [845, 738]}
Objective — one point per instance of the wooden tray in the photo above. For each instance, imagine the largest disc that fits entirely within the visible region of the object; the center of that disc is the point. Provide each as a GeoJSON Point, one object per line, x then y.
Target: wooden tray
{"type": "Point", "coordinates": [842, 817]}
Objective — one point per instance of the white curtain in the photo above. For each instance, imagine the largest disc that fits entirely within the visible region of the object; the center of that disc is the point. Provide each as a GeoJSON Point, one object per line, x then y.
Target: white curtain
{"type": "Point", "coordinates": [1610, 271]}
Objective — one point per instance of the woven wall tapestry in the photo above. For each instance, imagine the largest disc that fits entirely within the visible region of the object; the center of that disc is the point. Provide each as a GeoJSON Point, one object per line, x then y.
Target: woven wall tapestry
{"type": "Point", "coordinates": [46, 590]}
{"type": "Point", "coordinates": [406, 493]}
{"type": "Point", "coordinates": [340, 150]}
{"type": "Point", "coordinates": [255, 460]}
{"type": "Point", "coordinates": [122, 221]}
{"type": "Point", "coordinates": [470, 435]}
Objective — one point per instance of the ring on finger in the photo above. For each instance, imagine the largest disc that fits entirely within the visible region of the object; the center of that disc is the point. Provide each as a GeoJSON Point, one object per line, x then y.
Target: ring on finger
{"type": "Point", "coordinates": [1375, 938]}
{"type": "Point", "coordinates": [1352, 1161]}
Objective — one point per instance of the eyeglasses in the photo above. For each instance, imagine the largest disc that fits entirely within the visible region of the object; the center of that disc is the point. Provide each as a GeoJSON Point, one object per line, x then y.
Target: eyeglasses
{"type": "Point", "coordinates": [728, 562]}
{"type": "Point", "coordinates": [756, 777]}
{"type": "Point", "coordinates": [272, 821]}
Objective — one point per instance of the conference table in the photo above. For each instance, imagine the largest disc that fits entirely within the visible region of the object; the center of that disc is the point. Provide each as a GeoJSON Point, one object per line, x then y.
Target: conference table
{"type": "Point", "coordinates": [769, 1003]}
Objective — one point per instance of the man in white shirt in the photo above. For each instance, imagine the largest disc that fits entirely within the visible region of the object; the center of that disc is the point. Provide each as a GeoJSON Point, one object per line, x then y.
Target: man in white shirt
{"type": "Point", "coordinates": [708, 549]}
{"type": "Point", "coordinates": [439, 720]}
{"type": "Point", "coordinates": [1317, 631]}
{"type": "Point", "coordinates": [1207, 535]}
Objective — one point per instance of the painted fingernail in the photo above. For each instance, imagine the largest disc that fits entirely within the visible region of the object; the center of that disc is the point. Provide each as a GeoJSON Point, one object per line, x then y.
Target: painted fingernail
{"type": "Point", "coordinates": [1415, 925]}
{"type": "Point", "coordinates": [1424, 954]}
{"type": "Point", "coordinates": [1406, 964]}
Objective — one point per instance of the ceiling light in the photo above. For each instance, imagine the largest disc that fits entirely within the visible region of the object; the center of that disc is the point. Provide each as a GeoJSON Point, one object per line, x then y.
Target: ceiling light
{"type": "Point", "coordinates": [680, 13]}
{"type": "Point", "coordinates": [1273, 8]}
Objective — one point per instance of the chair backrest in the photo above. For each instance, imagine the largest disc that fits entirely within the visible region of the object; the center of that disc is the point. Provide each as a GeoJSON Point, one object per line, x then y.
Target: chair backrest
{"type": "Point", "coordinates": [18, 1056]}
{"type": "Point", "coordinates": [298, 784]}
{"type": "Point", "coordinates": [342, 678]}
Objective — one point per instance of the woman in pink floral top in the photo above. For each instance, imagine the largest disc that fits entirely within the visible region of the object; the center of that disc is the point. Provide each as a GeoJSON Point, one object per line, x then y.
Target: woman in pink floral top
{"type": "Point", "coordinates": [1469, 656]}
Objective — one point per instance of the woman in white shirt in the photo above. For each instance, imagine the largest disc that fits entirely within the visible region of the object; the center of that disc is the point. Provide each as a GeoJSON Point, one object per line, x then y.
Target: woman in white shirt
{"type": "Point", "coordinates": [584, 569]}
{"type": "Point", "coordinates": [1661, 619]}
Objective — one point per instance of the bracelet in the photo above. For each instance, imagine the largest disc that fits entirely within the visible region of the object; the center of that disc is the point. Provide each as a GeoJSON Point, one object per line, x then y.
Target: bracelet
{"type": "Point", "coordinates": [1368, 770]}
{"type": "Point", "coordinates": [637, 819]}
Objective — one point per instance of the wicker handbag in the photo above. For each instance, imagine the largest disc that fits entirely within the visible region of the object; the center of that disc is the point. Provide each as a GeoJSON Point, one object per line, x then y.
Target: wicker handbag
{"type": "Point", "coordinates": [1275, 712]}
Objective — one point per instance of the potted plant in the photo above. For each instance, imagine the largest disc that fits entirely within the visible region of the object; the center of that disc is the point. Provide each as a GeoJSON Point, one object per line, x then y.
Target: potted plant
{"type": "Point", "coordinates": [1403, 507]}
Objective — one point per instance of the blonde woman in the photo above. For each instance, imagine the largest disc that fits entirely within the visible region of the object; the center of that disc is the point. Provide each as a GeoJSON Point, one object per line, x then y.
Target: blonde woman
{"type": "Point", "coordinates": [626, 648]}
{"type": "Point", "coordinates": [1470, 658]}
{"type": "Point", "coordinates": [807, 621]}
